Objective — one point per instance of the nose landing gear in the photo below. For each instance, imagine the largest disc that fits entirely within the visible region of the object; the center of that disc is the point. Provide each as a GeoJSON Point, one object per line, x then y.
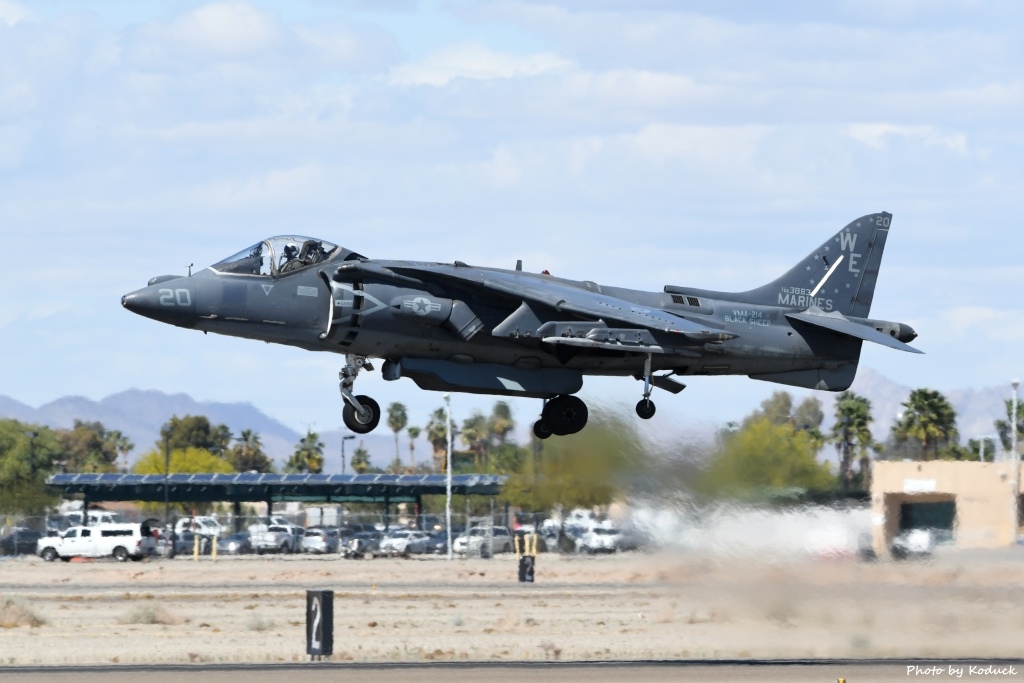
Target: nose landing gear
{"type": "Point", "coordinates": [561, 415]}
{"type": "Point", "coordinates": [361, 414]}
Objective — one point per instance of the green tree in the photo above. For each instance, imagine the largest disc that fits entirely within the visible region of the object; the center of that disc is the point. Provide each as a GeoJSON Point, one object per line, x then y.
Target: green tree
{"type": "Point", "coordinates": [247, 454]}
{"type": "Point", "coordinates": [764, 456]}
{"type": "Point", "coordinates": [189, 460]}
{"type": "Point", "coordinates": [308, 455]}
{"type": "Point", "coordinates": [414, 433]}
{"type": "Point", "coordinates": [808, 417]}
{"type": "Point", "coordinates": [437, 435]}
{"type": "Point", "coordinates": [196, 431]}
{"type": "Point", "coordinates": [777, 409]}
{"type": "Point", "coordinates": [398, 418]}
{"type": "Point", "coordinates": [501, 423]}
{"type": "Point", "coordinates": [593, 467]}
{"type": "Point", "coordinates": [91, 447]}
{"type": "Point", "coordinates": [930, 420]}
{"type": "Point", "coordinates": [360, 460]}
{"type": "Point", "coordinates": [851, 435]}
{"type": "Point", "coordinates": [476, 436]}
{"type": "Point", "coordinates": [1003, 426]}
{"type": "Point", "coordinates": [981, 449]}
{"type": "Point", "coordinates": [28, 454]}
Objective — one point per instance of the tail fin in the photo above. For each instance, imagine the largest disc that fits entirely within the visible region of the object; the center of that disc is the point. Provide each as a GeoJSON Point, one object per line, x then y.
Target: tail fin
{"type": "Point", "coordinates": [840, 275]}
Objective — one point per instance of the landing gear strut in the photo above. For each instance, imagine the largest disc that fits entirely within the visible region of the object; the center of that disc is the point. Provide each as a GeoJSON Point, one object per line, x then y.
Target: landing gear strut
{"type": "Point", "coordinates": [361, 414]}
{"type": "Point", "coordinates": [561, 415]}
{"type": "Point", "coordinates": [645, 408]}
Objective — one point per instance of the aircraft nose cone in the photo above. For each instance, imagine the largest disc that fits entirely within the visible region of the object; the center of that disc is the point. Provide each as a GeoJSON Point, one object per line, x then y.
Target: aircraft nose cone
{"type": "Point", "coordinates": [174, 305]}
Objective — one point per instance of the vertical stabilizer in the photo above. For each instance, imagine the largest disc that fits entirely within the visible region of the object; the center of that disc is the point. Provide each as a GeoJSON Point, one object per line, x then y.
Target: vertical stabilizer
{"type": "Point", "coordinates": [839, 275]}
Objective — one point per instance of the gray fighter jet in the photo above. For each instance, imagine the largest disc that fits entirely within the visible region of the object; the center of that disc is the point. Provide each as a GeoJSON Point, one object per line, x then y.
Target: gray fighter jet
{"type": "Point", "coordinates": [456, 327]}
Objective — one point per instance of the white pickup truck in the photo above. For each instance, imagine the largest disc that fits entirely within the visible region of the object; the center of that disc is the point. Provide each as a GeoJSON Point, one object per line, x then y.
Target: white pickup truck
{"type": "Point", "coordinates": [271, 538]}
{"type": "Point", "coordinates": [121, 541]}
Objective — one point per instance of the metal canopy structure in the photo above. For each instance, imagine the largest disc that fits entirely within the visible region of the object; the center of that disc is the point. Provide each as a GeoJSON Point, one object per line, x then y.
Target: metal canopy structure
{"type": "Point", "coordinates": [268, 488]}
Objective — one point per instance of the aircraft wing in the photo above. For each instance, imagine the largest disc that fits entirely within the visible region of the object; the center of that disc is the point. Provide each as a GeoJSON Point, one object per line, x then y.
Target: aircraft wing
{"type": "Point", "coordinates": [840, 324]}
{"type": "Point", "coordinates": [565, 297]}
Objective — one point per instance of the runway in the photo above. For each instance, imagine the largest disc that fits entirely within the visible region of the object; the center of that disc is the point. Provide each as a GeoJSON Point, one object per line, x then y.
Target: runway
{"type": "Point", "coordinates": [797, 671]}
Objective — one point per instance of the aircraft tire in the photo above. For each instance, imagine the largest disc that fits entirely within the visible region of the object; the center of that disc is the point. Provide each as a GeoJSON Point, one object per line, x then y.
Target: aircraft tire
{"type": "Point", "coordinates": [566, 415]}
{"type": "Point", "coordinates": [541, 429]}
{"type": "Point", "coordinates": [645, 408]}
{"type": "Point", "coordinates": [351, 417]}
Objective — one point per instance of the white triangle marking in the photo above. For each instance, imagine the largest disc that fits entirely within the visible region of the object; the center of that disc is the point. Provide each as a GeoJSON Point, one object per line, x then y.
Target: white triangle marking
{"type": "Point", "coordinates": [267, 288]}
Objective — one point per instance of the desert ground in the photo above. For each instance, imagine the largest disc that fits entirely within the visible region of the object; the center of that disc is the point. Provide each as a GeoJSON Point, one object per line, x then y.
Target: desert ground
{"type": "Point", "coordinates": [630, 606]}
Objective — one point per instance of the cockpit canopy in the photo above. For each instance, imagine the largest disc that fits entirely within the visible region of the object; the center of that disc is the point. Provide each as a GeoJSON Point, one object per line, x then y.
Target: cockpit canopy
{"type": "Point", "coordinates": [278, 256]}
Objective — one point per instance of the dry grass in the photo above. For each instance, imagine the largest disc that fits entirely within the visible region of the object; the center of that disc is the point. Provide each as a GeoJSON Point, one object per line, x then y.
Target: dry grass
{"type": "Point", "coordinates": [259, 624]}
{"type": "Point", "coordinates": [14, 614]}
{"type": "Point", "coordinates": [151, 614]}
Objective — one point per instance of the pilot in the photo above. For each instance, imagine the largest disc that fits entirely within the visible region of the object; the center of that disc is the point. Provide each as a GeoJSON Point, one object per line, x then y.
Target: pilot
{"type": "Point", "coordinates": [291, 252]}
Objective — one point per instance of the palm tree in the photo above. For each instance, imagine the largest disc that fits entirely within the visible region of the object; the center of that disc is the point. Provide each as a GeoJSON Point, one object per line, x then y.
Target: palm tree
{"type": "Point", "coordinates": [1003, 426]}
{"type": "Point", "coordinates": [414, 433]}
{"type": "Point", "coordinates": [437, 435]}
{"type": "Point", "coordinates": [308, 456]}
{"type": "Point", "coordinates": [247, 454]}
{"type": "Point", "coordinates": [360, 460]}
{"type": "Point", "coordinates": [397, 420]}
{"type": "Point", "coordinates": [476, 436]}
{"type": "Point", "coordinates": [120, 443]}
{"type": "Point", "coordinates": [501, 422]}
{"type": "Point", "coordinates": [929, 419]}
{"type": "Point", "coordinates": [851, 432]}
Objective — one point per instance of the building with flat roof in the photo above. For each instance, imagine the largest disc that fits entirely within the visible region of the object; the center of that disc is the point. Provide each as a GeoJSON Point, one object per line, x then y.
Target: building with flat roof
{"type": "Point", "coordinates": [969, 504]}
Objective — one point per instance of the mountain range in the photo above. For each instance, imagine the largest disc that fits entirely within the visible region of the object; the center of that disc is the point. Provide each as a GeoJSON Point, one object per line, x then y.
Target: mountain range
{"type": "Point", "coordinates": [139, 414]}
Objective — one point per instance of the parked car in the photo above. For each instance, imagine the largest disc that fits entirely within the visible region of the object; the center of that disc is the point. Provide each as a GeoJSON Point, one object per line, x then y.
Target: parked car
{"type": "Point", "coordinates": [204, 526]}
{"type": "Point", "coordinates": [271, 539]}
{"type": "Point", "coordinates": [320, 540]}
{"type": "Point", "coordinates": [438, 543]}
{"type": "Point", "coordinates": [121, 541]}
{"type": "Point", "coordinates": [477, 542]}
{"type": "Point", "coordinates": [235, 544]}
{"type": "Point", "coordinates": [19, 541]}
{"type": "Point", "coordinates": [297, 532]}
{"type": "Point", "coordinates": [601, 540]}
{"type": "Point", "coordinates": [363, 544]}
{"type": "Point", "coordinates": [913, 543]}
{"type": "Point", "coordinates": [404, 542]}
{"type": "Point", "coordinates": [95, 517]}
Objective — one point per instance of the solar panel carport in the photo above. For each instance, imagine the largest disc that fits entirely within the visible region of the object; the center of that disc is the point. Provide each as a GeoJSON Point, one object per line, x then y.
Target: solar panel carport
{"type": "Point", "coordinates": [251, 487]}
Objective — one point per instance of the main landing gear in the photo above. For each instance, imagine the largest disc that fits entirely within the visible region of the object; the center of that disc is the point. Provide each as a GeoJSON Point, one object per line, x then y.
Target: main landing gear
{"type": "Point", "coordinates": [561, 415]}
{"type": "Point", "coordinates": [361, 413]}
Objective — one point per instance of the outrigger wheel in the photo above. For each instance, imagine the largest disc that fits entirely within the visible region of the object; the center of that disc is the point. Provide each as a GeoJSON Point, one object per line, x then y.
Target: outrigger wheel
{"type": "Point", "coordinates": [541, 429]}
{"type": "Point", "coordinates": [361, 423]}
{"type": "Point", "coordinates": [645, 408]}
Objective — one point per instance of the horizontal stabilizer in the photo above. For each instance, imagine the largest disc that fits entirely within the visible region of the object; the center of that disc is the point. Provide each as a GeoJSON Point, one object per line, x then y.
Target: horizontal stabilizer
{"type": "Point", "coordinates": [842, 325]}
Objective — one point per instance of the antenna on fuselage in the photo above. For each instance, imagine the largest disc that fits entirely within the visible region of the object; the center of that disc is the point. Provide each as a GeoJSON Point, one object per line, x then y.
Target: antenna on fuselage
{"type": "Point", "coordinates": [190, 269]}
{"type": "Point", "coordinates": [519, 264]}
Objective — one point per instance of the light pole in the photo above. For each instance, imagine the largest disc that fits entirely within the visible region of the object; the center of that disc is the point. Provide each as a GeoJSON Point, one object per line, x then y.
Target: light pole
{"type": "Point", "coordinates": [1015, 460]}
{"type": "Point", "coordinates": [343, 440]}
{"type": "Point", "coordinates": [448, 476]}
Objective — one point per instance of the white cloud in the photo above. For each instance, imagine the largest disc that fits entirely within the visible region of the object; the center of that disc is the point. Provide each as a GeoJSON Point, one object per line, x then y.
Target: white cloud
{"type": "Point", "coordinates": [477, 62]}
{"type": "Point", "coordinates": [230, 29]}
{"type": "Point", "coordinates": [982, 323]}
{"type": "Point", "coordinates": [874, 135]}
{"type": "Point", "coordinates": [709, 146]}
{"type": "Point", "coordinates": [12, 13]}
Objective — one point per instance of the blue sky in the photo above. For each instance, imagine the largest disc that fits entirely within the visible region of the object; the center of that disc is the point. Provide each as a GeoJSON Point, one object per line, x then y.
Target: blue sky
{"type": "Point", "coordinates": [638, 144]}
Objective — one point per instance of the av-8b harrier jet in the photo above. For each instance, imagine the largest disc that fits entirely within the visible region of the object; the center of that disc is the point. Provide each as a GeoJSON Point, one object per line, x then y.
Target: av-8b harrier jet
{"type": "Point", "coordinates": [456, 327]}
